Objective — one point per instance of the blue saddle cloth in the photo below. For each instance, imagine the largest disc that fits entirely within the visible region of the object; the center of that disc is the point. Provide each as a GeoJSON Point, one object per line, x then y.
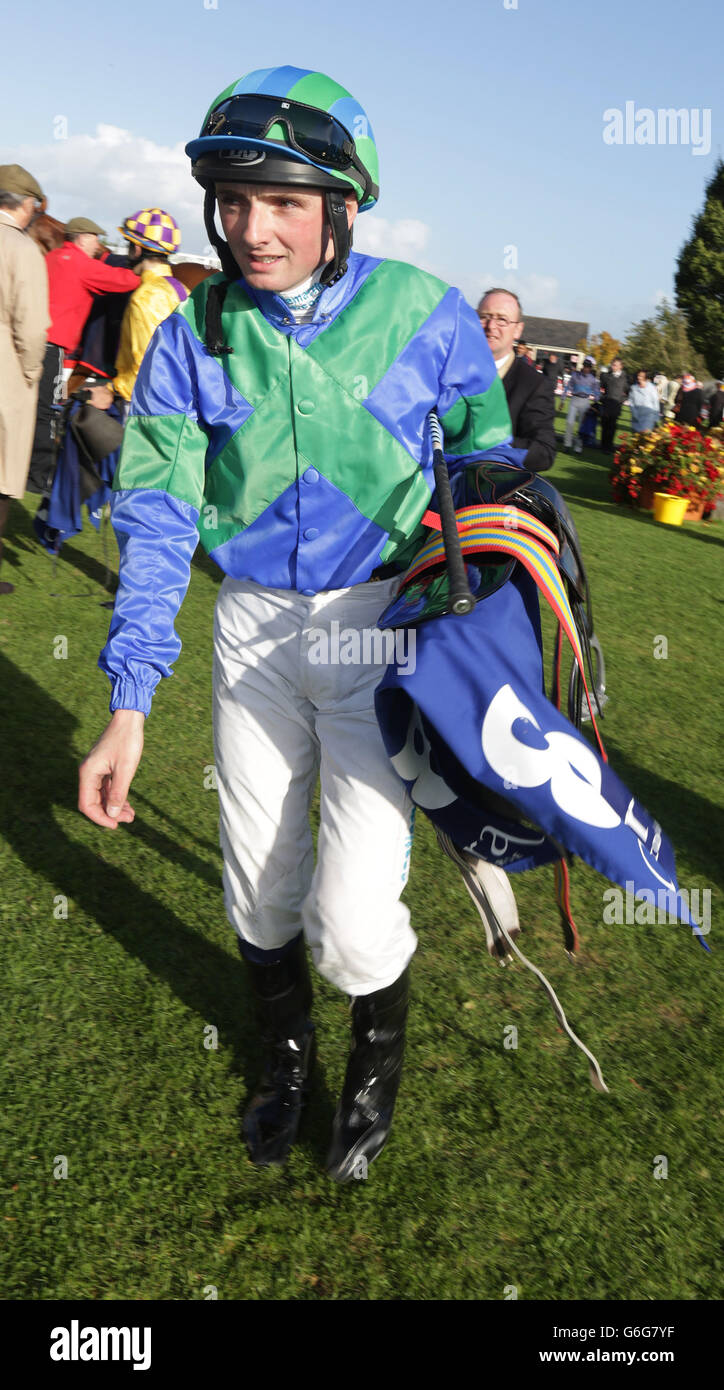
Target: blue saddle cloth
{"type": "Point", "coordinates": [493, 763]}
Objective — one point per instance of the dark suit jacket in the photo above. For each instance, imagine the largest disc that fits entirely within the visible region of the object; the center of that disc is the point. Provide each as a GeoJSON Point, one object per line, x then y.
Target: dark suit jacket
{"type": "Point", "coordinates": [614, 388]}
{"type": "Point", "coordinates": [530, 402]}
{"type": "Point", "coordinates": [689, 403]}
{"type": "Point", "coordinates": [716, 409]}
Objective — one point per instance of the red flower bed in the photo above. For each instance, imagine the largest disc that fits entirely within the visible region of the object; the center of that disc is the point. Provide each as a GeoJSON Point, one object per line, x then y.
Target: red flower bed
{"type": "Point", "coordinates": [675, 459]}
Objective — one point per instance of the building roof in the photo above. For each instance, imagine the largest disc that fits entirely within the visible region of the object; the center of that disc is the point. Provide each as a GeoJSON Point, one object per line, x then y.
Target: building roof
{"type": "Point", "coordinates": [554, 333]}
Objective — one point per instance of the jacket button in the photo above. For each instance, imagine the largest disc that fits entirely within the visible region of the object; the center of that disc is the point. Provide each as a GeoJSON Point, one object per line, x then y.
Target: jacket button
{"type": "Point", "coordinates": [305, 407]}
{"type": "Point", "coordinates": [308, 593]}
{"type": "Point", "coordinates": [311, 533]}
{"type": "Point", "coordinates": [311, 476]}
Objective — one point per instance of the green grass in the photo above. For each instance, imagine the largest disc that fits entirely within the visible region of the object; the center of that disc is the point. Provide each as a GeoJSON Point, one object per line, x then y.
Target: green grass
{"type": "Point", "coordinates": [504, 1167]}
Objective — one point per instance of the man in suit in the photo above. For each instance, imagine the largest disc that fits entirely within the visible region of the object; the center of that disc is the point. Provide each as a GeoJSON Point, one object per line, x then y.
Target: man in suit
{"type": "Point", "coordinates": [716, 406]}
{"type": "Point", "coordinates": [529, 392]}
{"type": "Point", "coordinates": [614, 390]}
{"type": "Point", "coordinates": [552, 369]}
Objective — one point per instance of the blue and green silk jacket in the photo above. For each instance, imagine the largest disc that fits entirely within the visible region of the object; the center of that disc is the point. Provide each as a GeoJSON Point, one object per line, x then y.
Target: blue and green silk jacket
{"type": "Point", "coordinates": [302, 459]}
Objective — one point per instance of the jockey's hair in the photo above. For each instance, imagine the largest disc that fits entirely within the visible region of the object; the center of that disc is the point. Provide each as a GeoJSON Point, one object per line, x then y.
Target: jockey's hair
{"type": "Point", "coordinates": [10, 200]}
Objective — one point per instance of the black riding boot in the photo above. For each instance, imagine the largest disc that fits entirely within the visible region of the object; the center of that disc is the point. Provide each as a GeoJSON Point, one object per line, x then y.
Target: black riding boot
{"type": "Point", "coordinates": [283, 994]}
{"type": "Point", "coordinates": [364, 1114]}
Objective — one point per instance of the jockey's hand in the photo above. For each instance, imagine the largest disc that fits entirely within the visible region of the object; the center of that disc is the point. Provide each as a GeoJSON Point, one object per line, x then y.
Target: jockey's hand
{"type": "Point", "coordinates": [107, 772]}
{"type": "Point", "coordinates": [100, 397]}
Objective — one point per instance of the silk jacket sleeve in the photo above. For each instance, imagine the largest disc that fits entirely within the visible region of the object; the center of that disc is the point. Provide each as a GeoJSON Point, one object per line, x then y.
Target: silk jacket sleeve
{"type": "Point", "coordinates": [158, 493]}
{"type": "Point", "coordinates": [472, 406]}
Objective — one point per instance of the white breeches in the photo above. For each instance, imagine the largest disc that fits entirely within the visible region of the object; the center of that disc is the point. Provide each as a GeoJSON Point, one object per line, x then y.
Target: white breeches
{"type": "Point", "coordinates": [281, 720]}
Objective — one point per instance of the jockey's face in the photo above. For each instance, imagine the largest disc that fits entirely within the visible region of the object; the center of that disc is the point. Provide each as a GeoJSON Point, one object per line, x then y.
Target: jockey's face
{"type": "Point", "coordinates": [277, 233]}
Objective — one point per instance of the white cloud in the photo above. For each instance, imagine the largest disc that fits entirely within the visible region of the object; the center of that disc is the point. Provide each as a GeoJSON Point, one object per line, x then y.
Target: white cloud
{"type": "Point", "coordinates": [403, 240]}
{"type": "Point", "coordinates": [539, 294]}
{"type": "Point", "coordinates": [112, 173]}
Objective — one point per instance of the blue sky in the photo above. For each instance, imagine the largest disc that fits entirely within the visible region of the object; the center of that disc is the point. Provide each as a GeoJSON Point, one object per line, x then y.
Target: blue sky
{"type": "Point", "coordinates": [489, 120]}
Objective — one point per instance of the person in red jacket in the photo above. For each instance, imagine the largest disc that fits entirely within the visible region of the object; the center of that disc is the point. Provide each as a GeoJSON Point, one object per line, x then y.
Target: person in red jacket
{"type": "Point", "coordinates": [75, 277]}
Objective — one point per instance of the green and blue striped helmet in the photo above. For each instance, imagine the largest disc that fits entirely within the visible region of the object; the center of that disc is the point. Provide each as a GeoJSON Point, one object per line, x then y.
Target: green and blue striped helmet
{"type": "Point", "coordinates": [340, 153]}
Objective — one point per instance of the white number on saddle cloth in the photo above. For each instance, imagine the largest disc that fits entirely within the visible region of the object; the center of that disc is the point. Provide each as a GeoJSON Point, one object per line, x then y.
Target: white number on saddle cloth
{"type": "Point", "coordinates": [569, 765]}
{"type": "Point", "coordinates": [414, 761]}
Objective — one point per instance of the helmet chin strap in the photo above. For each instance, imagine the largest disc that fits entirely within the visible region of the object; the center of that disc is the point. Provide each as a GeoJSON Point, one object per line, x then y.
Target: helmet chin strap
{"type": "Point", "coordinates": [336, 216]}
{"type": "Point", "coordinates": [228, 264]}
{"type": "Point", "coordinates": [336, 210]}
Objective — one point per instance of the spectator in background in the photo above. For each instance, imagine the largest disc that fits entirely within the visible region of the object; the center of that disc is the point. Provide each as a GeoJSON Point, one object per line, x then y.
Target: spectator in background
{"type": "Point", "coordinates": [672, 392]}
{"type": "Point", "coordinates": [661, 382]}
{"type": "Point", "coordinates": [614, 389]}
{"type": "Point", "coordinates": [716, 406]}
{"type": "Point", "coordinates": [689, 400]}
{"type": "Point", "coordinates": [552, 369]}
{"type": "Point", "coordinates": [643, 399]}
{"type": "Point", "coordinates": [152, 236]}
{"type": "Point", "coordinates": [582, 388]}
{"type": "Point", "coordinates": [23, 325]}
{"type": "Point", "coordinates": [74, 278]}
{"type": "Point", "coordinates": [529, 393]}
{"type": "Point", "coordinates": [101, 336]}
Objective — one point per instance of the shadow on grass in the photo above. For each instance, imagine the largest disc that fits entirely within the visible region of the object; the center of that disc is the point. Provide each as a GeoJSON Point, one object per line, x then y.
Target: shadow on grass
{"type": "Point", "coordinates": [21, 535]}
{"type": "Point", "coordinates": [693, 824]}
{"type": "Point", "coordinates": [42, 774]}
{"type": "Point", "coordinates": [697, 531]}
{"type": "Point", "coordinates": [591, 489]}
{"type": "Point", "coordinates": [163, 814]}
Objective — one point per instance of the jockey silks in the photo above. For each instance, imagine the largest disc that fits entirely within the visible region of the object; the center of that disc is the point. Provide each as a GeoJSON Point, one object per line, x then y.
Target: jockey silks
{"type": "Point", "coordinates": [301, 458]}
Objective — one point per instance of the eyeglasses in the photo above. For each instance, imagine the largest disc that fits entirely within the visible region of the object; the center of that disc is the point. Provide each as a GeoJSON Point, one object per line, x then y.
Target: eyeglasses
{"type": "Point", "coordinates": [309, 131]}
{"type": "Point", "coordinates": [500, 319]}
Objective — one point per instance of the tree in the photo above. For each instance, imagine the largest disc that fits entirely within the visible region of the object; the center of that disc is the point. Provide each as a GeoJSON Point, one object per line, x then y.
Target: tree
{"type": "Point", "coordinates": [700, 276]}
{"type": "Point", "coordinates": [602, 347]}
{"type": "Point", "coordinates": [661, 343]}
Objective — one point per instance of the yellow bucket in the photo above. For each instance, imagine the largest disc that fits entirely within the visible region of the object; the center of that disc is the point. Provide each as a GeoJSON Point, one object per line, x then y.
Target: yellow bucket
{"type": "Point", "coordinates": [670, 510]}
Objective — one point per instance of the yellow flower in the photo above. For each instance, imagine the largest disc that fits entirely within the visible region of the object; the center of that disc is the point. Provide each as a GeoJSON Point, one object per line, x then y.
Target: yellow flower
{"type": "Point", "coordinates": [694, 467]}
{"type": "Point", "coordinates": [635, 468]}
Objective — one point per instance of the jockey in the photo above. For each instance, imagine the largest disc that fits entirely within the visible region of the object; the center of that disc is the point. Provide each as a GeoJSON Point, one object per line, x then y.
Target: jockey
{"type": "Point", "coordinates": [281, 416]}
{"type": "Point", "coordinates": [152, 236]}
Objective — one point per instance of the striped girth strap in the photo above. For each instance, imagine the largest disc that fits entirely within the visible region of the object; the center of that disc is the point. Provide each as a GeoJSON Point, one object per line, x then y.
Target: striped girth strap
{"type": "Point", "coordinates": [491, 527]}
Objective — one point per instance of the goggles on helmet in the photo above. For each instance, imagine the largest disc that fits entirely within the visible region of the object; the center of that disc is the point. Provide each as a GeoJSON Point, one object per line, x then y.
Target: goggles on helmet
{"type": "Point", "coordinates": [309, 131]}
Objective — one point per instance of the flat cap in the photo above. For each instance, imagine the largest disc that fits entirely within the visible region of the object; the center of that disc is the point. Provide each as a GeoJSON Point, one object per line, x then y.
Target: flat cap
{"type": "Point", "coordinates": [15, 179]}
{"type": "Point", "coordinates": [84, 224]}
